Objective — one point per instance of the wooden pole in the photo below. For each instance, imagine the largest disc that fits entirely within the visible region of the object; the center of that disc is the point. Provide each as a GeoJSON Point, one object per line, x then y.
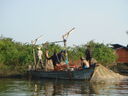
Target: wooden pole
{"type": "Point", "coordinates": [34, 57]}
{"type": "Point", "coordinates": [66, 53]}
{"type": "Point", "coordinates": [65, 37]}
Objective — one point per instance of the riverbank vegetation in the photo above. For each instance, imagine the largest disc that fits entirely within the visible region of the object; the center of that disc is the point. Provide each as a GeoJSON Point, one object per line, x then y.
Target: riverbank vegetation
{"type": "Point", "coordinates": [15, 56]}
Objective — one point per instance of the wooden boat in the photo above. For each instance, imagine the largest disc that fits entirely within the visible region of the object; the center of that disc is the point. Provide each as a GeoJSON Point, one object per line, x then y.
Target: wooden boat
{"type": "Point", "coordinates": [84, 74]}
{"type": "Point", "coordinates": [96, 73]}
{"type": "Point", "coordinates": [92, 73]}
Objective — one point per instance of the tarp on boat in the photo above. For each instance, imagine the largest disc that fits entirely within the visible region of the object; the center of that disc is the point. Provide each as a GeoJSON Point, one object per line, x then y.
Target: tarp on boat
{"type": "Point", "coordinates": [102, 74]}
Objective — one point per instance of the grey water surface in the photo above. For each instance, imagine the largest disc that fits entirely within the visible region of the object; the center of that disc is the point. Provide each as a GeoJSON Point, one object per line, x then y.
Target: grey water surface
{"type": "Point", "coordinates": [47, 87]}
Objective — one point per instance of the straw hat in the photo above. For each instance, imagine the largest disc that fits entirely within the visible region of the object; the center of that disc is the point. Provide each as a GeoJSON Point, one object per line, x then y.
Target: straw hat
{"type": "Point", "coordinates": [39, 47]}
{"type": "Point", "coordinates": [82, 58]}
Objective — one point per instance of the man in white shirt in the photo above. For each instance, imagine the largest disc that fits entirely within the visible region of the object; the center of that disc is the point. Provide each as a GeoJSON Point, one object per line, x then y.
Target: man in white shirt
{"type": "Point", "coordinates": [40, 53]}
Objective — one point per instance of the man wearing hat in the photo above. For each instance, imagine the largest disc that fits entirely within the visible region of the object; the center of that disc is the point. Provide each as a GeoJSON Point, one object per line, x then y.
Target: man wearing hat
{"type": "Point", "coordinates": [40, 53]}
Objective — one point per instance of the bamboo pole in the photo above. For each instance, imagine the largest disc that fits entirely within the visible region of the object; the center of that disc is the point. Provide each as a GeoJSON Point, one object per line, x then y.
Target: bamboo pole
{"type": "Point", "coordinates": [34, 57]}
{"type": "Point", "coordinates": [65, 37]}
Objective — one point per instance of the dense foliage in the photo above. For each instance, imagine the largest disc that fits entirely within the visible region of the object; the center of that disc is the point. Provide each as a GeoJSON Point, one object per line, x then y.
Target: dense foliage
{"type": "Point", "coordinates": [17, 56]}
{"type": "Point", "coordinates": [14, 55]}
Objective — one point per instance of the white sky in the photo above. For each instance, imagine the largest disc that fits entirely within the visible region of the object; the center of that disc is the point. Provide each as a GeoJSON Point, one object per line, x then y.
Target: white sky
{"type": "Point", "coordinates": [104, 21]}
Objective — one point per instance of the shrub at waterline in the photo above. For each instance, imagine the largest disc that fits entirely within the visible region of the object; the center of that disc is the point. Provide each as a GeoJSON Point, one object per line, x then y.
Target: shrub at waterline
{"type": "Point", "coordinates": [14, 55]}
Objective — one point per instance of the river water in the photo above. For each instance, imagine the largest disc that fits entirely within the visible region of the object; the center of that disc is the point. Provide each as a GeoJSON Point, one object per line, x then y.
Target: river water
{"type": "Point", "coordinates": [47, 87]}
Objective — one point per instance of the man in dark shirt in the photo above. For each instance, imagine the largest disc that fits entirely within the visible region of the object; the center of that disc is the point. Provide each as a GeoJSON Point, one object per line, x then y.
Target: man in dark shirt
{"type": "Point", "coordinates": [88, 54]}
{"type": "Point", "coordinates": [57, 58]}
{"type": "Point", "coordinates": [61, 56]}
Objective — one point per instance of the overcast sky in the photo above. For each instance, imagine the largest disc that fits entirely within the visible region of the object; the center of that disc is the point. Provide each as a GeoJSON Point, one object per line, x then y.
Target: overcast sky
{"type": "Point", "coordinates": [104, 21]}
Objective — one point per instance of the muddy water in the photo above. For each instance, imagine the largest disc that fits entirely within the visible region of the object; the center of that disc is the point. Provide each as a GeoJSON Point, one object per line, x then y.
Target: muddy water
{"type": "Point", "coordinates": [46, 87]}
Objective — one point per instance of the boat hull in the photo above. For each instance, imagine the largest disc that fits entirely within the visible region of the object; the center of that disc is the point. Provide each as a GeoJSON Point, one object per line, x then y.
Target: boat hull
{"type": "Point", "coordinates": [84, 74]}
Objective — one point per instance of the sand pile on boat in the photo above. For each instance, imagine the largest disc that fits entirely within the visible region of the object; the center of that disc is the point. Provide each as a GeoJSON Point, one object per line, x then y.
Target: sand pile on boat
{"type": "Point", "coordinates": [102, 74]}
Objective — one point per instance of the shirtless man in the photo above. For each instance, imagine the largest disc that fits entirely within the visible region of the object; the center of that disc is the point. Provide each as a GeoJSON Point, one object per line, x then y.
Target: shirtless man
{"type": "Point", "coordinates": [84, 63]}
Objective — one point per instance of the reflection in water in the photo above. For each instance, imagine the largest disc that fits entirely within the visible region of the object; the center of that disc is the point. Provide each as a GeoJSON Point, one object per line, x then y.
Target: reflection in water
{"type": "Point", "coordinates": [47, 87]}
{"type": "Point", "coordinates": [67, 88]}
{"type": "Point", "coordinates": [62, 87]}
{"type": "Point", "coordinates": [36, 91]}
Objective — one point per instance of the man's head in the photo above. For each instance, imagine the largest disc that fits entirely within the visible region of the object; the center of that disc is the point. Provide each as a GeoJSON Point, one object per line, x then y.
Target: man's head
{"type": "Point", "coordinates": [82, 58]}
{"type": "Point", "coordinates": [63, 51]}
{"type": "Point", "coordinates": [88, 46]}
{"type": "Point", "coordinates": [39, 48]}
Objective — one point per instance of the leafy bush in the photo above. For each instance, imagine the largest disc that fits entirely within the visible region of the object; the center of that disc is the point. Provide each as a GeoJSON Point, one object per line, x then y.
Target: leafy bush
{"type": "Point", "coordinates": [14, 54]}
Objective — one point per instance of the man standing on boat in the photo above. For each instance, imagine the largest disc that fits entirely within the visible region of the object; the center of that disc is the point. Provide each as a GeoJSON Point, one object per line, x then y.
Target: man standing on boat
{"type": "Point", "coordinates": [40, 61]}
{"type": "Point", "coordinates": [88, 54]}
